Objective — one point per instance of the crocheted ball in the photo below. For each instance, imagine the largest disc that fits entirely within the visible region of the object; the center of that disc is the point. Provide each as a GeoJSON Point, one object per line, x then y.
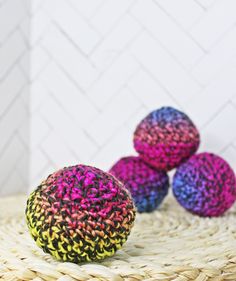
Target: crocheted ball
{"type": "Point", "coordinates": [166, 138]}
{"type": "Point", "coordinates": [79, 214]}
{"type": "Point", "coordinates": [205, 185]}
{"type": "Point", "coordinates": [148, 186]}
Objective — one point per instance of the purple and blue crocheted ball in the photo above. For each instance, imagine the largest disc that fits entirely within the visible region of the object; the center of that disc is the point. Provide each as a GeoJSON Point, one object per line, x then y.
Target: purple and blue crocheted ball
{"type": "Point", "coordinates": [166, 138]}
{"type": "Point", "coordinates": [147, 186]}
{"type": "Point", "coordinates": [205, 185]}
{"type": "Point", "coordinates": [79, 214]}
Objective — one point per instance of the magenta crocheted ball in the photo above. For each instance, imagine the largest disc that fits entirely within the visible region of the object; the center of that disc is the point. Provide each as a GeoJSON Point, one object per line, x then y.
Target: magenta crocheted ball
{"type": "Point", "coordinates": [166, 138]}
{"type": "Point", "coordinates": [205, 185]}
{"type": "Point", "coordinates": [79, 214]}
{"type": "Point", "coordinates": [148, 186]}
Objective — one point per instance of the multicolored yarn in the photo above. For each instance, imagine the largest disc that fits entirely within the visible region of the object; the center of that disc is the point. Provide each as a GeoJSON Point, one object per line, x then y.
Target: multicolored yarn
{"type": "Point", "coordinates": [148, 186]}
{"type": "Point", "coordinates": [79, 214]}
{"type": "Point", "coordinates": [205, 185]}
{"type": "Point", "coordinates": [166, 138]}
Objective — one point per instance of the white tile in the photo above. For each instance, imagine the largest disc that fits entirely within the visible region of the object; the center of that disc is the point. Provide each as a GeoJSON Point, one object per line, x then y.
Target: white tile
{"type": "Point", "coordinates": [23, 168]}
{"type": "Point", "coordinates": [25, 28]}
{"type": "Point", "coordinates": [24, 64]}
{"type": "Point", "coordinates": [233, 99]}
{"type": "Point", "coordinates": [167, 32]}
{"type": "Point", "coordinates": [38, 163]}
{"type": "Point", "coordinates": [70, 58]}
{"type": "Point", "coordinates": [35, 180]}
{"type": "Point", "coordinates": [68, 130]}
{"type": "Point", "coordinates": [109, 14]}
{"type": "Point", "coordinates": [23, 131]}
{"type": "Point", "coordinates": [112, 80]}
{"type": "Point", "coordinates": [84, 36]}
{"type": "Point", "coordinates": [39, 130]}
{"type": "Point", "coordinates": [38, 95]}
{"type": "Point", "coordinates": [206, 3]}
{"type": "Point", "coordinates": [100, 76]}
{"type": "Point", "coordinates": [221, 55]}
{"type": "Point", "coordinates": [13, 48]}
{"type": "Point", "coordinates": [121, 145]}
{"type": "Point", "coordinates": [11, 13]}
{"type": "Point", "coordinates": [204, 105]}
{"type": "Point", "coordinates": [39, 60]}
{"type": "Point", "coordinates": [135, 119]}
{"type": "Point", "coordinates": [149, 91]}
{"type": "Point", "coordinates": [9, 156]}
{"type": "Point", "coordinates": [166, 70]}
{"type": "Point", "coordinates": [58, 152]}
{"type": "Point", "coordinates": [9, 90]}
{"type": "Point", "coordinates": [115, 42]}
{"type": "Point", "coordinates": [185, 12]}
{"type": "Point", "coordinates": [110, 120]}
{"type": "Point", "coordinates": [13, 185]}
{"type": "Point", "coordinates": [87, 8]}
{"type": "Point", "coordinates": [39, 24]}
{"type": "Point", "coordinates": [73, 100]}
{"type": "Point", "coordinates": [13, 90]}
{"type": "Point", "coordinates": [220, 132]}
{"type": "Point", "coordinates": [9, 123]}
{"type": "Point", "coordinates": [24, 96]}
{"type": "Point", "coordinates": [36, 5]}
{"type": "Point", "coordinates": [215, 23]}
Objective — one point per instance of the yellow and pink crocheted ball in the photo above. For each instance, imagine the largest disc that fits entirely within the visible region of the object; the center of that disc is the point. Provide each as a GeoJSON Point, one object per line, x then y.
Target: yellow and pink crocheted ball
{"type": "Point", "coordinates": [147, 186]}
{"type": "Point", "coordinates": [79, 214]}
{"type": "Point", "coordinates": [166, 138]}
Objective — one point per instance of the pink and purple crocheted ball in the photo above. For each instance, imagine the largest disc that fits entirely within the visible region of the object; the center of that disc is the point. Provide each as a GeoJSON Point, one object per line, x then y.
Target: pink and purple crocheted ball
{"type": "Point", "coordinates": [166, 138]}
{"type": "Point", "coordinates": [205, 185]}
{"type": "Point", "coordinates": [79, 214]}
{"type": "Point", "coordinates": [148, 186]}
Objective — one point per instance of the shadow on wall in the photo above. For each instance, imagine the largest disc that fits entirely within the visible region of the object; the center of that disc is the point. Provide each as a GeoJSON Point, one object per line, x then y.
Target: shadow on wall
{"type": "Point", "coordinates": [14, 98]}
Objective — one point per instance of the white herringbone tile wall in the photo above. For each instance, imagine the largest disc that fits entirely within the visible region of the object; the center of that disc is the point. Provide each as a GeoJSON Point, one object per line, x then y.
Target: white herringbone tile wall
{"type": "Point", "coordinates": [14, 96]}
{"type": "Point", "coordinates": [99, 66]}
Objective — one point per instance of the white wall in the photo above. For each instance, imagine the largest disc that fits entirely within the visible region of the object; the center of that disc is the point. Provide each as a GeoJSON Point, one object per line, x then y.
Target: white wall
{"type": "Point", "coordinates": [14, 96]}
{"type": "Point", "coordinates": [99, 66]}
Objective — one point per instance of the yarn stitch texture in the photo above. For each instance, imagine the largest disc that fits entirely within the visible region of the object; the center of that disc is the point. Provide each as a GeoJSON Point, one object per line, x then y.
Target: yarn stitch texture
{"type": "Point", "coordinates": [147, 186]}
{"type": "Point", "coordinates": [166, 138]}
{"type": "Point", "coordinates": [79, 214]}
{"type": "Point", "coordinates": [205, 185]}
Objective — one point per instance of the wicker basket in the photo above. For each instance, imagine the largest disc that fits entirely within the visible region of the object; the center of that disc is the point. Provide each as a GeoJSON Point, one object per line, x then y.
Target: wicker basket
{"type": "Point", "coordinates": [169, 244]}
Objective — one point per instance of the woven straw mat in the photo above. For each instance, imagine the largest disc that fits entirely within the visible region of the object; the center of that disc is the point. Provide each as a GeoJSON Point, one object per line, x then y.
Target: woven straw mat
{"type": "Point", "coordinates": [169, 244]}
